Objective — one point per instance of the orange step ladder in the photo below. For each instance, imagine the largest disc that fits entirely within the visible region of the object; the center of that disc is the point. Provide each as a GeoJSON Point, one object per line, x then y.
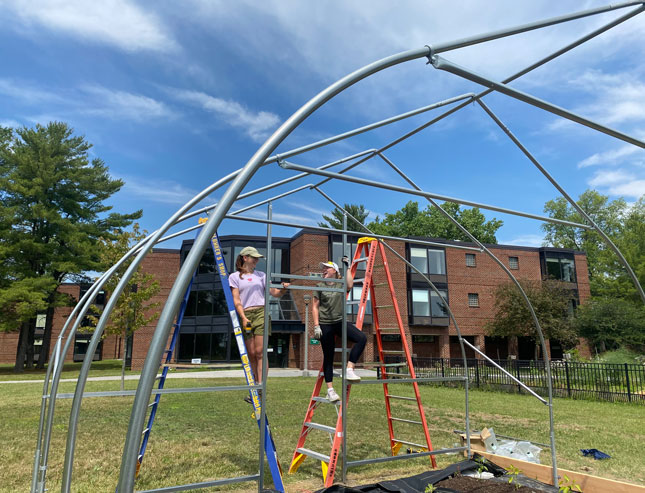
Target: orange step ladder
{"type": "Point", "coordinates": [366, 251]}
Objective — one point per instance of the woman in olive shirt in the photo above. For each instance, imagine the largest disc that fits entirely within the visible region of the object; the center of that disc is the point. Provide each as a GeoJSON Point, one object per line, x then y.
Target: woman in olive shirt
{"type": "Point", "coordinates": [327, 313]}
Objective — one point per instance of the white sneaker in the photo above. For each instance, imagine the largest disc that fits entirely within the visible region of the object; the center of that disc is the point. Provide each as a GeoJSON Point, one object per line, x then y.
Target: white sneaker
{"type": "Point", "coordinates": [332, 396]}
{"type": "Point", "coordinates": [351, 376]}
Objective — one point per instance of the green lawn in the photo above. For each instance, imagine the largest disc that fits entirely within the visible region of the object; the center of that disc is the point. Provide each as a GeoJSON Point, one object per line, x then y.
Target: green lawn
{"type": "Point", "coordinates": [105, 368]}
{"type": "Point", "coordinates": [204, 436]}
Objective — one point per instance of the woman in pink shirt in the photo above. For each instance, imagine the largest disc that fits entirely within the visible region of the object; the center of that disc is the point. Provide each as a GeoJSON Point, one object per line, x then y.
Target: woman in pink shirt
{"type": "Point", "coordinates": [248, 286]}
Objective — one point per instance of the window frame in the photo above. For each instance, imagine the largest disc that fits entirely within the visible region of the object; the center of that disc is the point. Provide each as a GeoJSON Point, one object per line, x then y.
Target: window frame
{"type": "Point", "coordinates": [471, 260]}
{"type": "Point", "coordinates": [473, 300]}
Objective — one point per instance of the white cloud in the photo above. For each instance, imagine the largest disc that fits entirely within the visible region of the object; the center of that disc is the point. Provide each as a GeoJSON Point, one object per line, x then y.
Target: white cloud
{"type": "Point", "coordinates": [154, 190]}
{"type": "Point", "coordinates": [619, 182]}
{"type": "Point", "coordinates": [612, 156]}
{"type": "Point", "coordinates": [256, 125]}
{"type": "Point", "coordinates": [26, 91]}
{"type": "Point", "coordinates": [10, 124]}
{"type": "Point", "coordinates": [124, 105]}
{"type": "Point", "coordinates": [531, 240]}
{"type": "Point", "coordinates": [119, 23]}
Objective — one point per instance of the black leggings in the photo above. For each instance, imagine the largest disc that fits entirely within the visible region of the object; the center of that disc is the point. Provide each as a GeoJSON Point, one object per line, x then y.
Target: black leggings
{"type": "Point", "coordinates": [328, 343]}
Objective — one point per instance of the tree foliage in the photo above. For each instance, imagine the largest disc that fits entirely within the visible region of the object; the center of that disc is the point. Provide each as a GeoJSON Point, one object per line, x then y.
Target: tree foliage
{"type": "Point", "coordinates": [335, 220]}
{"type": "Point", "coordinates": [623, 224]}
{"type": "Point", "coordinates": [430, 222]}
{"type": "Point", "coordinates": [133, 309]}
{"type": "Point", "coordinates": [610, 323]}
{"type": "Point", "coordinates": [52, 214]}
{"type": "Point", "coordinates": [550, 300]}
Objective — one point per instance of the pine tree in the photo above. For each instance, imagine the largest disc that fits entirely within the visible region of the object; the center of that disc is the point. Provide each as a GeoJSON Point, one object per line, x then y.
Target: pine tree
{"type": "Point", "coordinates": [52, 214]}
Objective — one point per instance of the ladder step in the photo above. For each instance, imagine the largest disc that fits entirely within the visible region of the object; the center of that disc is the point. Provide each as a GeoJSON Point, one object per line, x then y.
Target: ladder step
{"type": "Point", "coordinates": [145, 431]}
{"type": "Point", "coordinates": [323, 399]}
{"type": "Point", "coordinates": [411, 444]}
{"type": "Point", "coordinates": [402, 398]}
{"type": "Point", "coordinates": [315, 455]}
{"type": "Point", "coordinates": [353, 302]}
{"type": "Point", "coordinates": [318, 426]}
{"type": "Point", "coordinates": [384, 306]}
{"type": "Point", "coordinates": [152, 403]}
{"type": "Point", "coordinates": [407, 421]}
{"type": "Point", "coordinates": [379, 364]}
{"type": "Point", "coordinates": [393, 351]}
{"type": "Point", "coordinates": [359, 280]}
{"type": "Point", "coordinates": [362, 259]}
{"type": "Point", "coordinates": [395, 375]}
{"type": "Point", "coordinates": [378, 284]}
{"type": "Point", "coordinates": [389, 330]}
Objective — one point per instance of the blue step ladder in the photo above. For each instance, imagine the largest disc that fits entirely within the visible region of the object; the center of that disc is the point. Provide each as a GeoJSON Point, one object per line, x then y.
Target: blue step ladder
{"type": "Point", "coordinates": [269, 444]}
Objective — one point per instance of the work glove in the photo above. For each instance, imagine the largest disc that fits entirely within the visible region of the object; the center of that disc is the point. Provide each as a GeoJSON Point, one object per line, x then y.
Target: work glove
{"type": "Point", "coordinates": [317, 332]}
{"type": "Point", "coordinates": [345, 260]}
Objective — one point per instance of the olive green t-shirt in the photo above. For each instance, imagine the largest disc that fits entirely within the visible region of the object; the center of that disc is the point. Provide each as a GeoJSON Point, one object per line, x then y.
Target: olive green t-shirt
{"type": "Point", "coordinates": [330, 309]}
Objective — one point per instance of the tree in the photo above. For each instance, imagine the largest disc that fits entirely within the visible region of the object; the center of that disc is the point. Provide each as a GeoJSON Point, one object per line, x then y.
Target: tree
{"type": "Point", "coordinates": [336, 219]}
{"type": "Point", "coordinates": [431, 222]}
{"type": "Point", "coordinates": [610, 216]}
{"type": "Point", "coordinates": [550, 300]}
{"type": "Point", "coordinates": [52, 214]}
{"type": "Point", "coordinates": [610, 323]}
{"type": "Point", "coordinates": [133, 309]}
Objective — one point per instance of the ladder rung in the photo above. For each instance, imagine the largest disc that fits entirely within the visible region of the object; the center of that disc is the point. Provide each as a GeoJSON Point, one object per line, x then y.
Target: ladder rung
{"type": "Point", "coordinates": [152, 403]}
{"type": "Point", "coordinates": [353, 302]}
{"type": "Point", "coordinates": [318, 426]}
{"type": "Point", "coordinates": [378, 284]}
{"type": "Point", "coordinates": [379, 265]}
{"type": "Point", "coordinates": [411, 444]}
{"type": "Point", "coordinates": [395, 375]}
{"type": "Point", "coordinates": [402, 398]}
{"type": "Point", "coordinates": [340, 350]}
{"type": "Point", "coordinates": [384, 306]}
{"type": "Point", "coordinates": [323, 399]}
{"type": "Point", "coordinates": [361, 259]}
{"type": "Point", "coordinates": [392, 351]}
{"type": "Point", "coordinates": [407, 421]}
{"type": "Point", "coordinates": [389, 329]}
{"type": "Point", "coordinates": [315, 455]}
{"type": "Point", "coordinates": [145, 431]}
{"type": "Point", "coordinates": [359, 280]}
{"type": "Point", "coordinates": [379, 364]}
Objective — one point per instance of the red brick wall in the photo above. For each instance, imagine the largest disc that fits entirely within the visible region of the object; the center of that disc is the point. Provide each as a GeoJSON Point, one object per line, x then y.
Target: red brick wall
{"type": "Point", "coordinates": [164, 265]}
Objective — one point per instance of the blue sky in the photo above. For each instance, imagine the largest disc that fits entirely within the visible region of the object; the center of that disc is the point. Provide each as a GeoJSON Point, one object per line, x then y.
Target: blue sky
{"type": "Point", "coordinates": [175, 95]}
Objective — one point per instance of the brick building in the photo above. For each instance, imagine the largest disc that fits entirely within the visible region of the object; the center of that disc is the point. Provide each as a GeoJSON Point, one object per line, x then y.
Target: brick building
{"type": "Point", "coordinates": [467, 280]}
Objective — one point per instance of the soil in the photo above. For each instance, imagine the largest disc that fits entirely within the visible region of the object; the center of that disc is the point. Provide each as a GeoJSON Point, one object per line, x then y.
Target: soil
{"type": "Point", "coordinates": [475, 485]}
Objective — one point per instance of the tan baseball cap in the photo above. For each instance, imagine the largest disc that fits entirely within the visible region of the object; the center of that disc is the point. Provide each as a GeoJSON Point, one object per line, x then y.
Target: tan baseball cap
{"type": "Point", "coordinates": [251, 252]}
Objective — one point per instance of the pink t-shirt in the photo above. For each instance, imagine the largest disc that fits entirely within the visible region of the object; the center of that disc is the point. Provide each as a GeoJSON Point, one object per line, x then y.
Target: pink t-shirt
{"type": "Point", "coordinates": [251, 287]}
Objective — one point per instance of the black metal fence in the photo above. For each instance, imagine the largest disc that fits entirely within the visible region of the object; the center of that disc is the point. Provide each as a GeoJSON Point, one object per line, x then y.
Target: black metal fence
{"type": "Point", "coordinates": [599, 381]}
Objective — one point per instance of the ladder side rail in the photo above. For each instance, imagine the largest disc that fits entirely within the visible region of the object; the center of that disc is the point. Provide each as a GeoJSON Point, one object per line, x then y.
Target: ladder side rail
{"type": "Point", "coordinates": [408, 356]}
{"type": "Point", "coordinates": [379, 343]}
{"type": "Point", "coordinates": [269, 444]}
{"type": "Point", "coordinates": [298, 457]}
{"type": "Point", "coordinates": [336, 445]}
{"type": "Point", "coordinates": [369, 269]}
{"type": "Point", "coordinates": [164, 372]}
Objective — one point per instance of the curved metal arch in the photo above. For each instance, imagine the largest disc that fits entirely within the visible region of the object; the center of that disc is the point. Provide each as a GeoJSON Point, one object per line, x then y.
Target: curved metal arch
{"type": "Point", "coordinates": [252, 166]}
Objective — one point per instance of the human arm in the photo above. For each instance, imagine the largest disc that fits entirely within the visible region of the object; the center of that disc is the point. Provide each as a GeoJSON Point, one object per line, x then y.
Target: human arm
{"type": "Point", "coordinates": [277, 293]}
{"type": "Point", "coordinates": [238, 306]}
{"type": "Point", "coordinates": [316, 317]}
{"type": "Point", "coordinates": [348, 273]}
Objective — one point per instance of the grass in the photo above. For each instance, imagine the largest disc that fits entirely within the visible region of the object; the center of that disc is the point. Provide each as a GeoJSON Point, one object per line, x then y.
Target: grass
{"type": "Point", "coordinates": [105, 368]}
{"type": "Point", "coordinates": [620, 356]}
{"type": "Point", "coordinates": [204, 436]}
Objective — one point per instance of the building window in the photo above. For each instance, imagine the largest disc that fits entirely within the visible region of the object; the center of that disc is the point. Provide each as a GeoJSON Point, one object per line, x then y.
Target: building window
{"type": "Point", "coordinates": [420, 303]}
{"type": "Point", "coordinates": [428, 260]}
{"type": "Point", "coordinates": [426, 303]}
{"type": "Point", "coordinates": [355, 295]}
{"type": "Point", "coordinates": [422, 338]}
{"type": "Point", "coordinates": [560, 266]}
{"type": "Point", "coordinates": [473, 300]}
{"type": "Point", "coordinates": [471, 260]}
{"type": "Point", "coordinates": [514, 263]}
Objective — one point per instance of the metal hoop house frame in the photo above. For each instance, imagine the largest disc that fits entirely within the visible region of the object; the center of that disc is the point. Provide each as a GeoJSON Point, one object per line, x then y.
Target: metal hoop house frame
{"type": "Point", "coordinates": [220, 211]}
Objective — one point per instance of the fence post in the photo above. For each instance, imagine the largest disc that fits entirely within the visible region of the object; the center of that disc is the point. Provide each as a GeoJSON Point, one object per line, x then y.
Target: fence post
{"type": "Point", "coordinates": [477, 361]}
{"type": "Point", "coordinates": [443, 373]}
{"type": "Point", "coordinates": [517, 375]}
{"type": "Point", "coordinates": [566, 371]}
{"type": "Point", "coordinates": [629, 392]}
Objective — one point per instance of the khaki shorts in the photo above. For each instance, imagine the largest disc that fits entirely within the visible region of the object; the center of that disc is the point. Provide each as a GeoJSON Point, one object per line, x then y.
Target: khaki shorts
{"type": "Point", "coordinates": [256, 318]}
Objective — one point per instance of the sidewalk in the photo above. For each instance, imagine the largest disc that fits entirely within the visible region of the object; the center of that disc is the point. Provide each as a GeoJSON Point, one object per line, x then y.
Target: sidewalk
{"type": "Point", "coordinates": [273, 373]}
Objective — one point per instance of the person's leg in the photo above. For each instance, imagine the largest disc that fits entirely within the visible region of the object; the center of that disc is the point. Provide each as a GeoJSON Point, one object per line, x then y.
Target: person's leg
{"type": "Point", "coordinates": [328, 345]}
{"type": "Point", "coordinates": [258, 343]}
{"type": "Point", "coordinates": [359, 339]}
{"type": "Point", "coordinates": [250, 350]}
